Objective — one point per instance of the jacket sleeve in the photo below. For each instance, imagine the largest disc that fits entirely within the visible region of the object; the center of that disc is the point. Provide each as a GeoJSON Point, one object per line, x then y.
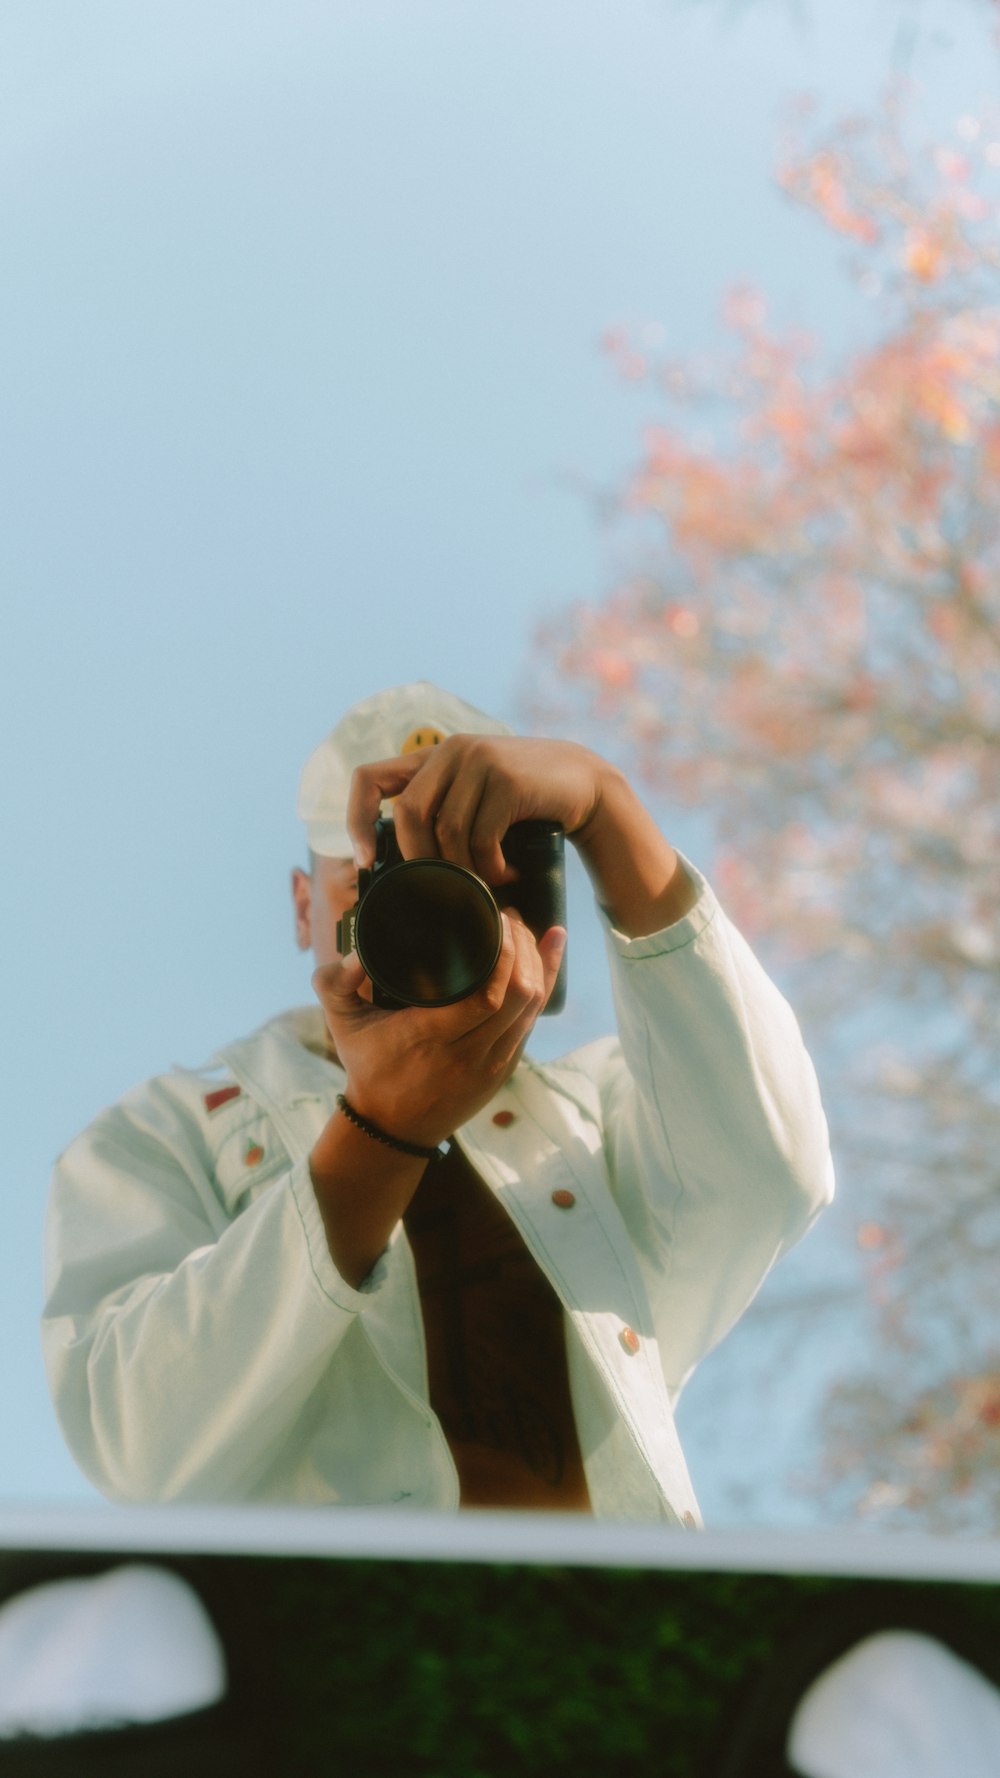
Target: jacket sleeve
{"type": "Point", "coordinates": [717, 1143]}
{"type": "Point", "coordinates": [181, 1347]}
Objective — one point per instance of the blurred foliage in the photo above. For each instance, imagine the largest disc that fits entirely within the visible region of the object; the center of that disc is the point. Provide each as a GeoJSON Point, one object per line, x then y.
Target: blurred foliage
{"type": "Point", "coordinates": [530, 1670]}
{"type": "Point", "coordinates": [805, 647]}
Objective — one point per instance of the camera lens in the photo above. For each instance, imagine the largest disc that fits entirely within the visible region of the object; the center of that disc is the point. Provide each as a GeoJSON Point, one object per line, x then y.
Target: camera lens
{"type": "Point", "coordinates": [428, 932]}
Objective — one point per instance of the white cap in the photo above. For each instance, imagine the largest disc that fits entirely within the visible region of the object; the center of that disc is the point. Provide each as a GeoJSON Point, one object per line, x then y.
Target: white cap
{"type": "Point", "coordinates": [395, 721]}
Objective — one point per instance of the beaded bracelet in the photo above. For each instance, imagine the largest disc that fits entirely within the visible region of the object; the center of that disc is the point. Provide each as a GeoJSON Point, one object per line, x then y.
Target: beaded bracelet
{"type": "Point", "coordinates": [377, 1135]}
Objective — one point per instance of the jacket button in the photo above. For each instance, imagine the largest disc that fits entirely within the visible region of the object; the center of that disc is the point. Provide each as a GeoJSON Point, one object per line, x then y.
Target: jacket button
{"type": "Point", "coordinates": [503, 1118]}
{"type": "Point", "coordinates": [690, 1521]}
{"type": "Point", "coordinates": [629, 1339]}
{"type": "Point", "coordinates": [564, 1200]}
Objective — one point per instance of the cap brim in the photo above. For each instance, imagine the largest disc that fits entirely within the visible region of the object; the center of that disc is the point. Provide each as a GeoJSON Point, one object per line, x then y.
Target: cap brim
{"type": "Point", "coordinates": [329, 839]}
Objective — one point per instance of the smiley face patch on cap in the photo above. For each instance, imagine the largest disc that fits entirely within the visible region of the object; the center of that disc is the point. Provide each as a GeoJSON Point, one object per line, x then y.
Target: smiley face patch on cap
{"type": "Point", "coordinates": [426, 736]}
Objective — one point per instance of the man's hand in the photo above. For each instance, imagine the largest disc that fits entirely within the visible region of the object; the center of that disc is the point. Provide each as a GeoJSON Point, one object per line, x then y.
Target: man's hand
{"type": "Point", "coordinates": [420, 1072]}
{"type": "Point", "coordinates": [458, 799]}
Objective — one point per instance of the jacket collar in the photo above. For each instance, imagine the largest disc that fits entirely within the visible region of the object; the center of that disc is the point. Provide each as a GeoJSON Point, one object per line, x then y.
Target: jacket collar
{"type": "Point", "coordinates": [285, 1059]}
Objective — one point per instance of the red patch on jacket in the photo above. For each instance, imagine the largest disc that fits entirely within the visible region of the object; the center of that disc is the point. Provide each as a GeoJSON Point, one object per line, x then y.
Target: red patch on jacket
{"type": "Point", "coordinates": [221, 1096]}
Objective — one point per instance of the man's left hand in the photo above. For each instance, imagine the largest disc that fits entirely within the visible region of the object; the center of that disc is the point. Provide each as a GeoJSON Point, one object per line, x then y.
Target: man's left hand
{"type": "Point", "coordinates": [458, 799]}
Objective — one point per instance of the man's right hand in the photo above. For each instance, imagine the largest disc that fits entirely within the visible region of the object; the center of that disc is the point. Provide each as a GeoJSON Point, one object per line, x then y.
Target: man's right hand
{"type": "Point", "coordinates": [418, 1073]}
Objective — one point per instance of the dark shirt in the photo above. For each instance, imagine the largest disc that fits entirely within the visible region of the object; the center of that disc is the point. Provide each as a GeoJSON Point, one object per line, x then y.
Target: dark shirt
{"type": "Point", "coordinates": [496, 1347]}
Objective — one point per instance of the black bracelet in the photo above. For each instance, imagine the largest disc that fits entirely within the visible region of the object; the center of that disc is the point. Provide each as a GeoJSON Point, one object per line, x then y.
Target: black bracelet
{"type": "Point", "coordinates": [377, 1135]}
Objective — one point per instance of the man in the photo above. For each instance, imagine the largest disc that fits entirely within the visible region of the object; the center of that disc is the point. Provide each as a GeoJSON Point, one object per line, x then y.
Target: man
{"type": "Point", "coordinates": [266, 1280]}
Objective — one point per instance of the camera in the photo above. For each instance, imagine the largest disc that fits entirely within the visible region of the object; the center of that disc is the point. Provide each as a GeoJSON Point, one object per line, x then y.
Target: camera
{"type": "Point", "coordinates": [429, 932]}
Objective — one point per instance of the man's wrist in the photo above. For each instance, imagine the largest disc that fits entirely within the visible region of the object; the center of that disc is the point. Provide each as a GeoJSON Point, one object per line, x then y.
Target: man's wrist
{"type": "Point", "coordinates": [343, 1154]}
{"type": "Point", "coordinates": [376, 1133]}
{"type": "Point", "coordinates": [638, 878]}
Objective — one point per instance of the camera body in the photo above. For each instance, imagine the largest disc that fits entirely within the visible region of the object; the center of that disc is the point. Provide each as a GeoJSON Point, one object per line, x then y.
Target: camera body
{"type": "Point", "coordinates": [429, 932]}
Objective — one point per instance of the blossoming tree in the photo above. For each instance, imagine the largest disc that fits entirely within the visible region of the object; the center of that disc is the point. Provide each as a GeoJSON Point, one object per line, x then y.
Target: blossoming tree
{"type": "Point", "coordinates": [811, 649]}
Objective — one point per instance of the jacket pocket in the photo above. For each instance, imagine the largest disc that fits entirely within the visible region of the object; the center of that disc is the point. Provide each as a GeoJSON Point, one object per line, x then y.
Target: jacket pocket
{"type": "Point", "coordinates": [250, 1155]}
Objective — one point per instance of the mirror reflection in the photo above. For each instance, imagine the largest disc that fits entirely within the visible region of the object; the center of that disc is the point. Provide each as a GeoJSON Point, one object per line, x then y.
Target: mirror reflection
{"type": "Point", "coordinates": [375, 1255]}
{"type": "Point", "coordinates": [268, 291]}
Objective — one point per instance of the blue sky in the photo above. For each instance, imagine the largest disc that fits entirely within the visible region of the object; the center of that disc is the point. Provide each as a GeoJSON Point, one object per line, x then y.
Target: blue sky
{"type": "Point", "coordinates": [299, 333]}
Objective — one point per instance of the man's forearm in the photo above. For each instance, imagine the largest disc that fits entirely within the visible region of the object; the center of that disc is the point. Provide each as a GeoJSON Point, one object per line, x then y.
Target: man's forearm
{"type": "Point", "coordinates": [362, 1187]}
{"type": "Point", "coordinates": [638, 878]}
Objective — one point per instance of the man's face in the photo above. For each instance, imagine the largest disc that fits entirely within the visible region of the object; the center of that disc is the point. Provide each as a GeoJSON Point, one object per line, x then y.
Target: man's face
{"type": "Point", "coordinates": [319, 900]}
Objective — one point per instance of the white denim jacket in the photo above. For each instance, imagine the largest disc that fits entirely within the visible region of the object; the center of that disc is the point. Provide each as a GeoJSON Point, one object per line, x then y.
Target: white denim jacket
{"type": "Point", "coordinates": [201, 1345]}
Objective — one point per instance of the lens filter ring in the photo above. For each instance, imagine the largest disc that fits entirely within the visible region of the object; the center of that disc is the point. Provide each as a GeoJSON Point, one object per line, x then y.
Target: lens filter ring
{"type": "Point", "coordinates": [428, 932]}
